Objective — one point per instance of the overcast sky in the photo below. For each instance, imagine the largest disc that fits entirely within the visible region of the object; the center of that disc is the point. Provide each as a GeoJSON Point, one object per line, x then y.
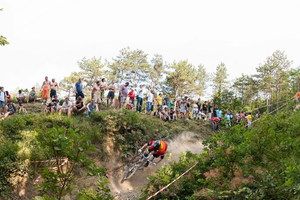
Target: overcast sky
{"type": "Point", "coordinates": [48, 37]}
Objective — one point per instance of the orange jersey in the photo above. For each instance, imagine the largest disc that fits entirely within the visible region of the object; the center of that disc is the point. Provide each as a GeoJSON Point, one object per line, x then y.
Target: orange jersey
{"type": "Point", "coordinates": [163, 148]}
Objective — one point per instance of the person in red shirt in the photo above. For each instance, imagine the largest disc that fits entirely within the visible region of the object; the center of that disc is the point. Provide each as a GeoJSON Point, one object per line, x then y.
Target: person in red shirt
{"type": "Point", "coordinates": [158, 148]}
{"type": "Point", "coordinates": [131, 95]}
{"type": "Point", "coordinates": [215, 123]}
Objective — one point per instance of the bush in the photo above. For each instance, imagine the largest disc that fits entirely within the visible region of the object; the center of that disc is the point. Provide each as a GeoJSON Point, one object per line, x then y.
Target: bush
{"type": "Point", "coordinates": [258, 163]}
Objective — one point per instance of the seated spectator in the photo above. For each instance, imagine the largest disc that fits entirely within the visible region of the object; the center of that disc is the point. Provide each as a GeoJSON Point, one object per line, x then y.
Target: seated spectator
{"type": "Point", "coordinates": [21, 97]}
{"type": "Point", "coordinates": [129, 106]}
{"type": "Point", "coordinates": [249, 120]}
{"type": "Point", "coordinates": [164, 114]}
{"type": "Point", "coordinates": [79, 107]}
{"type": "Point", "coordinates": [53, 106]}
{"type": "Point", "coordinates": [32, 95]}
{"type": "Point", "coordinates": [10, 109]}
{"type": "Point", "coordinates": [66, 106]}
{"type": "Point", "coordinates": [92, 107]}
{"type": "Point", "coordinates": [227, 118]}
{"type": "Point", "coordinates": [172, 114]}
{"type": "Point", "coordinates": [7, 96]}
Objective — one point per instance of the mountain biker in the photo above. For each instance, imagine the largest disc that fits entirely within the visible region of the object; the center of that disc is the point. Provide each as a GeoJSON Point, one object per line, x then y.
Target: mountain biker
{"type": "Point", "coordinates": [157, 148]}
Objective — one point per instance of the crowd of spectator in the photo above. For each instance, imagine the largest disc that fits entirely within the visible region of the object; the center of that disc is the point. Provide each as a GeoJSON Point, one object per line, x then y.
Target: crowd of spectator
{"type": "Point", "coordinates": [142, 99]}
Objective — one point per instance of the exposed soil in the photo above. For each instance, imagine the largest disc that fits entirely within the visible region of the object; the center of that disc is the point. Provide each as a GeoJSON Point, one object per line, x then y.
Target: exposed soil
{"type": "Point", "coordinates": [130, 189]}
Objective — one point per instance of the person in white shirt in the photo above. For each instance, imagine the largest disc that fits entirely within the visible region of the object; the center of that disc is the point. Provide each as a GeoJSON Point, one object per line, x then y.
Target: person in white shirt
{"type": "Point", "coordinates": [66, 106]}
{"type": "Point", "coordinates": [103, 87]}
{"type": "Point", "coordinates": [2, 100]}
{"type": "Point", "coordinates": [139, 98]}
{"type": "Point", "coordinates": [150, 97]}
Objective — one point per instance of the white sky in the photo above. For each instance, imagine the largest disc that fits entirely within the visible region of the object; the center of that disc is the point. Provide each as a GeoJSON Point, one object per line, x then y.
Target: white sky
{"type": "Point", "coordinates": [48, 37]}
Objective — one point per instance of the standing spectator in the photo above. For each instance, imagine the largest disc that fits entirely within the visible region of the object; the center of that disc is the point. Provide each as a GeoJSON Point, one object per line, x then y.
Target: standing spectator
{"type": "Point", "coordinates": [209, 109]}
{"type": "Point", "coordinates": [219, 113]}
{"type": "Point", "coordinates": [103, 86]}
{"type": "Point", "coordinates": [140, 97]}
{"type": "Point", "coordinates": [79, 89]}
{"type": "Point", "coordinates": [53, 88]}
{"type": "Point", "coordinates": [46, 89]}
{"type": "Point", "coordinates": [2, 100]}
{"type": "Point", "coordinates": [205, 108]}
{"type": "Point", "coordinates": [123, 94]}
{"type": "Point", "coordinates": [183, 108]}
{"type": "Point", "coordinates": [214, 110]}
{"type": "Point", "coordinates": [215, 123]}
{"type": "Point", "coordinates": [159, 101]}
{"type": "Point", "coordinates": [32, 95]}
{"type": "Point", "coordinates": [199, 104]}
{"type": "Point", "coordinates": [196, 110]}
{"type": "Point", "coordinates": [131, 95]}
{"type": "Point", "coordinates": [111, 94]}
{"type": "Point", "coordinates": [96, 93]}
{"type": "Point", "coordinates": [150, 97]}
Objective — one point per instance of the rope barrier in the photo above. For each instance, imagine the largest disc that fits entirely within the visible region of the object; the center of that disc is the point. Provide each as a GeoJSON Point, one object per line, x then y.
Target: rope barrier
{"type": "Point", "coordinates": [165, 187]}
{"type": "Point", "coordinates": [162, 189]}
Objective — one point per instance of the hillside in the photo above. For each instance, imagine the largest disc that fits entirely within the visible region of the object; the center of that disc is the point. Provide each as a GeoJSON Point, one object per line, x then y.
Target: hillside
{"type": "Point", "coordinates": [55, 157]}
{"type": "Point", "coordinates": [258, 163]}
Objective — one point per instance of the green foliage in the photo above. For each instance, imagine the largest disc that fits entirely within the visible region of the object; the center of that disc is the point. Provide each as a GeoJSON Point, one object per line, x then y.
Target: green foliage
{"type": "Point", "coordinates": [220, 79]}
{"type": "Point", "coordinates": [91, 70]}
{"type": "Point", "coordinates": [185, 79]}
{"type": "Point", "coordinates": [273, 75]}
{"type": "Point", "coordinates": [102, 192]}
{"type": "Point", "coordinates": [129, 65]}
{"type": "Point", "coordinates": [3, 41]}
{"type": "Point", "coordinates": [8, 164]}
{"type": "Point", "coordinates": [11, 128]}
{"type": "Point", "coordinates": [258, 163]}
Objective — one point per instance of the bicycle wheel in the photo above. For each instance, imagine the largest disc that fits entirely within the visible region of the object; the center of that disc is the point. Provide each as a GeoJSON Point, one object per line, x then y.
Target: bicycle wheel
{"type": "Point", "coordinates": [131, 169]}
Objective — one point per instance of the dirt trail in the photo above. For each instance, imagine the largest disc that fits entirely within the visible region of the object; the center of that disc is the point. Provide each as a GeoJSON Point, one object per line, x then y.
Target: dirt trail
{"type": "Point", "coordinates": [131, 188]}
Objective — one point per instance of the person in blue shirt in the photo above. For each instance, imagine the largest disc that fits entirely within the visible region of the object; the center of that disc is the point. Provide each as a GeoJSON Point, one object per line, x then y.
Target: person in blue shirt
{"type": "Point", "coordinates": [219, 113]}
{"type": "Point", "coordinates": [79, 89]}
{"type": "Point", "coordinates": [92, 107]}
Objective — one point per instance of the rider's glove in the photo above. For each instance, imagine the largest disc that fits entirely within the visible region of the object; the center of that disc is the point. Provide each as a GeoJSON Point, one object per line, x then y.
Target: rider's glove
{"type": "Point", "coordinates": [140, 151]}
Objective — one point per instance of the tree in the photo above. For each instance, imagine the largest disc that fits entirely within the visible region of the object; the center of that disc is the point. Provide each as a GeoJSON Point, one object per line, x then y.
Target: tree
{"type": "Point", "coordinates": [3, 40]}
{"type": "Point", "coordinates": [273, 75]}
{"type": "Point", "coordinates": [157, 71]}
{"type": "Point", "coordinates": [220, 79]}
{"type": "Point", "coordinates": [294, 80]}
{"type": "Point", "coordinates": [130, 66]}
{"type": "Point", "coordinates": [182, 78]}
{"type": "Point", "coordinates": [201, 79]}
{"type": "Point", "coordinates": [91, 70]}
{"type": "Point", "coordinates": [246, 88]}
{"type": "Point", "coordinates": [67, 84]}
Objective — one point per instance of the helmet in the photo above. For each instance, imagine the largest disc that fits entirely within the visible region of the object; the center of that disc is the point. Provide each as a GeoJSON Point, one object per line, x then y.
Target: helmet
{"type": "Point", "coordinates": [156, 144]}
